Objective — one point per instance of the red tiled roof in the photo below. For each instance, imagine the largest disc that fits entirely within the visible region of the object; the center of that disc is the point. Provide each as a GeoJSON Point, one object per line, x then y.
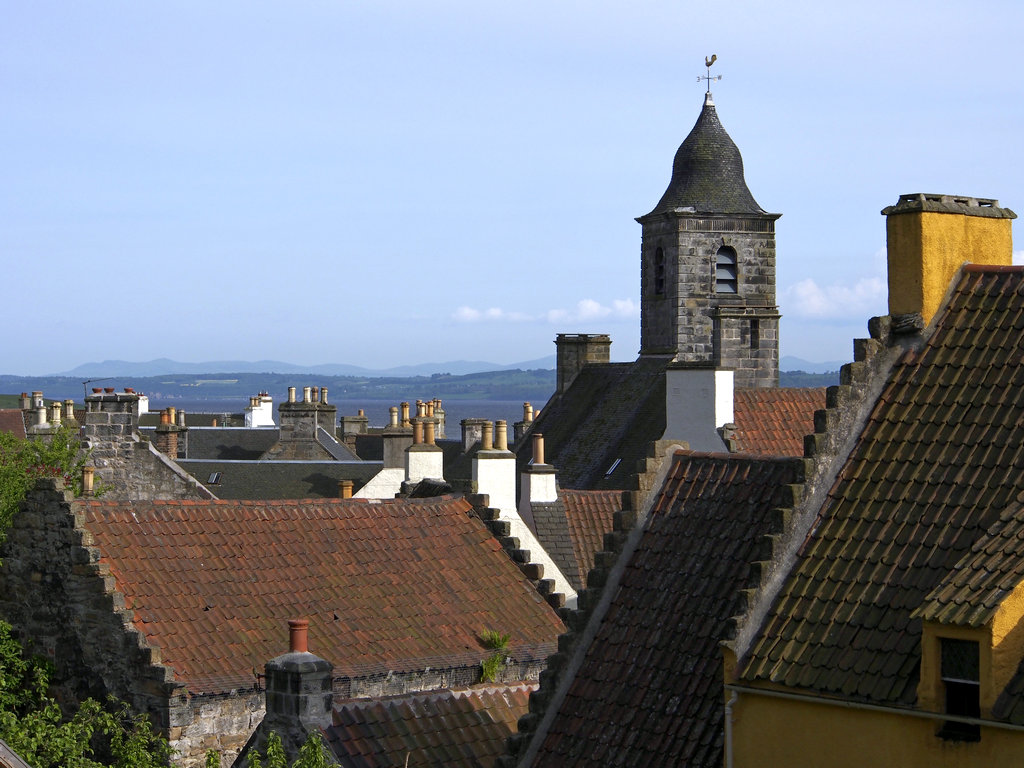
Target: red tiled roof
{"type": "Point", "coordinates": [649, 690]}
{"type": "Point", "coordinates": [393, 585]}
{"type": "Point", "coordinates": [590, 515]}
{"type": "Point", "coordinates": [773, 422]}
{"type": "Point", "coordinates": [456, 729]}
{"type": "Point", "coordinates": [13, 421]}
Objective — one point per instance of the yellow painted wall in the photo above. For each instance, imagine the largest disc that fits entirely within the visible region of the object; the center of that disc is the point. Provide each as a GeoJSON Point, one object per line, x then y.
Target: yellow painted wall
{"type": "Point", "coordinates": [1007, 629]}
{"type": "Point", "coordinates": [779, 733]}
{"type": "Point", "coordinates": [926, 249]}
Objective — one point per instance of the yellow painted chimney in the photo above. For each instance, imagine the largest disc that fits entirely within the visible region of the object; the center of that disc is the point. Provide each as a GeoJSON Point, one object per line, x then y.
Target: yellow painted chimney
{"type": "Point", "coordinates": [928, 238]}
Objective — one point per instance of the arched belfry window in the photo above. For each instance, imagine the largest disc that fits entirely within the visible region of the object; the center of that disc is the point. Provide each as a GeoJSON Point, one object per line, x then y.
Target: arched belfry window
{"type": "Point", "coordinates": [726, 271]}
{"type": "Point", "coordinates": [659, 272]}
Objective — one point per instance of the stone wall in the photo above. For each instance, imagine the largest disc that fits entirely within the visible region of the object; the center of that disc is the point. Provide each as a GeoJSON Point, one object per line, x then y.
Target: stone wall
{"type": "Point", "coordinates": [681, 314]}
{"type": "Point", "coordinates": [127, 465]}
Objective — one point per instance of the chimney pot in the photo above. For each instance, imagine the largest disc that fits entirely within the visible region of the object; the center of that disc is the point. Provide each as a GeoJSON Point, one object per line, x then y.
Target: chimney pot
{"type": "Point", "coordinates": [165, 417]}
{"type": "Point", "coordinates": [428, 428]}
{"type": "Point", "coordinates": [360, 412]}
{"type": "Point", "coordinates": [172, 414]}
{"type": "Point", "coordinates": [405, 414]}
{"type": "Point", "coordinates": [487, 439]}
{"type": "Point", "coordinates": [501, 435]}
{"type": "Point", "coordinates": [538, 448]}
{"type": "Point", "coordinates": [88, 477]}
{"type": "Point", "coordinates": [181, 418]}
{"type": "Point", "coordinates": [291, 394]}
{"type": "Point", "coordinates": [298, 635]}
{"type": "Point", "coordinates": [527, 413]}
{"type": "Point", "coordinates": [307, 395]}
{"type": "Point", "coordinates": [323, 395]}
{"type": "Point", "coordinates": [417, 432]}
{"type": "Point", "coordinates": [393, 415]}
{"type": "Point", "coordinates": [345, 489]}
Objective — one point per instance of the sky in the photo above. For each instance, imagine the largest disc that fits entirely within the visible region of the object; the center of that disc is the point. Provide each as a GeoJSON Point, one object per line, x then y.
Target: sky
{"type": "Point", "coordinates": [390, 182]}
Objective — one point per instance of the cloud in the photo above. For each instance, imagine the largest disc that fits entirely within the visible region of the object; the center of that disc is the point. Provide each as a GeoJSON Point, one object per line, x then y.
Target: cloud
{"type": "Point", "coordinates": [471, 315]}
{"type": "Point", "coordinates": [584, 311]}
{"type": "Point", "coordinates": [589, 309]}
{"type": "Point", "coordinates": [808, 299]}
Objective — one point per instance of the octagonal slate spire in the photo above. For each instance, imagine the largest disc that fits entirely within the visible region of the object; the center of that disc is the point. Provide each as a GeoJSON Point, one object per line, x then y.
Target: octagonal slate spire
{"type": "Point", "coordinates": [707, 173]}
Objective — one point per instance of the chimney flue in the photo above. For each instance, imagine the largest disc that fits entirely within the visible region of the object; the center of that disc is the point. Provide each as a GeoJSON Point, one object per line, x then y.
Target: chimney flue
{"type": "Point", "coordinates": [298, 635]}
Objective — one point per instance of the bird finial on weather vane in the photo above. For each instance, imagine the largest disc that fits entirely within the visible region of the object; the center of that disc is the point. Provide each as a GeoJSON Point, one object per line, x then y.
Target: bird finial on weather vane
{"type": "Point", "coordinates": [707, 63]}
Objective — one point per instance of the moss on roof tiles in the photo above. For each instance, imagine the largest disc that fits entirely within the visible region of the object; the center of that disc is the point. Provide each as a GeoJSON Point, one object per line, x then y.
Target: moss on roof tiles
{"type": "Point", "coordinates": [945, 542]}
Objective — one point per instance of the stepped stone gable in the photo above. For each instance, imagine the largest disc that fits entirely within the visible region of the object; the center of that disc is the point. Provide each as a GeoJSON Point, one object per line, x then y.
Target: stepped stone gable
{"type": "Point", "coordinates": [171, 605]}
{"type": "Point", "coordinates": [935, 468]}
{"type": "Point", "coordinates": [708, 263]}
{"type": "Point", "coordinates": [649, 687]}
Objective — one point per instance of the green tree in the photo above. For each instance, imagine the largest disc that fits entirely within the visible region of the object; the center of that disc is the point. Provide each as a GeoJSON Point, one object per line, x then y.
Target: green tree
{"type": "Point", "coordinates": [311, 754]}
{"type": "Point", "coordinates": [95, 736]}
{"type": "Point", "coordinates": [22, 462]}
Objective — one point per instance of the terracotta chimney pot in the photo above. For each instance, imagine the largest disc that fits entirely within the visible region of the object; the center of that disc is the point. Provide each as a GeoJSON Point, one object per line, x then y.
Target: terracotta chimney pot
{"type": "Point", "coordinates": [298, 635]}
{"type": "Point", "coordinates": [501, 435]}
{"type": "Point", "coordinates": [487, 438]}
{"type": "Point", "coordinates": [538, 448]}
{"type": "Point", "coordinates": [345, 489]}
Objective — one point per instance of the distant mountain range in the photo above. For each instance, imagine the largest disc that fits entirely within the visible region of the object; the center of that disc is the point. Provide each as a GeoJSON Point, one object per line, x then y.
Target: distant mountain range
{"type": "Point", "coordinates": [788, 363]}
{"type": "Point", "coordinates": [164, 366]}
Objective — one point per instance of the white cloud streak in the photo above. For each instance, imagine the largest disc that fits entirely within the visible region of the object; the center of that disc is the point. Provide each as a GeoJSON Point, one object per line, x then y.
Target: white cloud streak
{"type": "Point", "coordinates": [586, 310]}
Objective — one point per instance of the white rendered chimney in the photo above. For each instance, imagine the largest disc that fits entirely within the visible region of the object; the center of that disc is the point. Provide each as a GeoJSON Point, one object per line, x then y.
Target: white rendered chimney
{"type": "Point", "coordinates": [698, 400]}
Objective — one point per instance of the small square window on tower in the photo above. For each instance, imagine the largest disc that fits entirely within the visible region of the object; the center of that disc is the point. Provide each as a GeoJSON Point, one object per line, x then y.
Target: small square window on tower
{"type": "Point", "coordinates": [961, 681]}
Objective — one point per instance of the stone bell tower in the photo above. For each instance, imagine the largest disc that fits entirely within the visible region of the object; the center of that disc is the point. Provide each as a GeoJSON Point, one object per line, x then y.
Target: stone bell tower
{"type": "Point", "coordinates": [707, 277]}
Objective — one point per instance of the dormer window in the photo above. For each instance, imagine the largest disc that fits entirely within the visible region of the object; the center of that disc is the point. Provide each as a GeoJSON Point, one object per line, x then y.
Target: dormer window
{"type": "Point", "coordinates": [726, 271]}
{"type": "Point", "coordinates": [961, 679]}
{"type": "Point", "coordinates": [659, 272]}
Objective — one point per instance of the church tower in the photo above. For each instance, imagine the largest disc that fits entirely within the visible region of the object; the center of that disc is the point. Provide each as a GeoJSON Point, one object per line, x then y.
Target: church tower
{"type": "Point", "coordinates": [707, 276]}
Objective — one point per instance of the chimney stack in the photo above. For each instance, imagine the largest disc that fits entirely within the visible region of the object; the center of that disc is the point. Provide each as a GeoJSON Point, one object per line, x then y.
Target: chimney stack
{"type": "Point", "coordinates": [575, 350]}
{"type": "Point", "coordinates": [928, 238]}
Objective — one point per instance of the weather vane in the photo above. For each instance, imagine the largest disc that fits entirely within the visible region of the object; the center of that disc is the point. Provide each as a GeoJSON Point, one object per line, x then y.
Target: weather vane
{"type": "Point", "coordinates": [707, 63]}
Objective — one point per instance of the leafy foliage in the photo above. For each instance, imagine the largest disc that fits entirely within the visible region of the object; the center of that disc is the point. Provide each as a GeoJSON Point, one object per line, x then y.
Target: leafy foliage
{"type": "Point", "coordinates": [492, 667]}
{"type": "Point", "coordinates": [22, 462]}
{"type": "Point", "coordinates": [94, 737]}
{"type": "Point", "coordinates": [311, 754]}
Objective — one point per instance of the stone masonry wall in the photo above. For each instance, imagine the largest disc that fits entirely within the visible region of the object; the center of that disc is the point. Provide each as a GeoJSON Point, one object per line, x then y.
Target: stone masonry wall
{"type": "Point", "coordinates": [62, 602]}
{"type": "Point", "coordinates": [127, 465]}
{"type": "Point", "coordinates": [688, 318]}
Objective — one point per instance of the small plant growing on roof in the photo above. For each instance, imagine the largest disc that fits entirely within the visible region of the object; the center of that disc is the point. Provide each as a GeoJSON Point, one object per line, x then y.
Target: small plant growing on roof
{"type": "Point", "coordinates": [492, 667]}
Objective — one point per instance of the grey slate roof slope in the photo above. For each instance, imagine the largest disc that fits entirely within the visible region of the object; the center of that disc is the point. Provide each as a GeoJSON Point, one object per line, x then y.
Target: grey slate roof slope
{"type": "Point", "coordinates": [552, 531]}
{"type": "Point", "coordinates": [707, 172]}
{"type": "Point", "coordinates": [280, 479]}
{"type": "Point", "coordinates": [921, 520]}
{"type": "Point", "coordinates": [228, 444]}
{"type": "Point", "coordinates": [649, 691]}
{"type": "Point", "coordinates": [330, 444]}
{"type": "Point", "coordinates": [457, 729]}
{"type": "Point", "coordinates": [610, 411]}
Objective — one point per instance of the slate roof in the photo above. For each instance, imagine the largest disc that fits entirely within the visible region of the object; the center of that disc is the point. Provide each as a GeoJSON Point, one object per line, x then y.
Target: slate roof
{"type": "Point", "coordinates": [707, 172]}
{"type": "Point", "coordinates": [456, 729]}
{"type": "Point", "coordinates": [387, 585]}
{"type": "Point", "coordinates": [649, 691]}
{"type": "Point", "coordinates": [773, 421]}
{"type": "Point", "coordinates": [614, 411]}
{"type": "Point", "coordinates": [12, 421]}
{"type": "Point", "coordinates": [904, 532]}
{"type": "Point", "coordinates": [280, 479]}
{"type": "Point", "coordinates": [610, 411]}
{"type": "Point", "coordinates": [229, 443]}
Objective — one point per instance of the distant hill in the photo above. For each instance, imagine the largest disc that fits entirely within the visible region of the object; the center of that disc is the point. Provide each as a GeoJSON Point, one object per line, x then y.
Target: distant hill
{"type": "Point", "coordinates": [789, 363]}
{"type": "Point", "coordinates": [164, 366]}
